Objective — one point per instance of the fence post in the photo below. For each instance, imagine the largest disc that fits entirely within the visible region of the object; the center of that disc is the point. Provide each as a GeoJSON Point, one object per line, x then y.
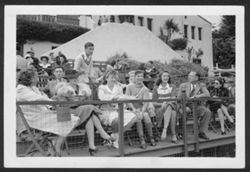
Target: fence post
{"type": "Point", "coordinates": [121, 121]}
{"type": "Point", "coordinates": [184, 101]}
{"type": "Point", "coordinates": [195, 127]}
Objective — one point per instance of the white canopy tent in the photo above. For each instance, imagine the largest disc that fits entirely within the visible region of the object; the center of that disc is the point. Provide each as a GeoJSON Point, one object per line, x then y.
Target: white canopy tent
{"type": "Point", "coordinates": [138, 42]}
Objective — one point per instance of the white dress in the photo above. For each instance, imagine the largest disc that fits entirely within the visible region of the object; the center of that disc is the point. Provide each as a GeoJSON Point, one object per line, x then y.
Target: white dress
{"type": "Point", "coordinates": [40, 116]}
{"type": "Point", "coordinates": [110, 111]}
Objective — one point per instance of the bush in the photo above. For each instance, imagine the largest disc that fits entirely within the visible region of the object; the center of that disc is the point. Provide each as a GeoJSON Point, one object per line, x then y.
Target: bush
{"type": "Point", "coordinates": [178, 69]}
{"type": "Point", "coordinates": [54, 32]}
{"type": "Point", "coordinates": [178, 44]}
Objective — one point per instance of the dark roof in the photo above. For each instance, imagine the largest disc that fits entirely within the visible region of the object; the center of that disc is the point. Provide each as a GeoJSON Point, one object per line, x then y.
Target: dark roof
{"type": "Point", "coordinates": [205, 19]}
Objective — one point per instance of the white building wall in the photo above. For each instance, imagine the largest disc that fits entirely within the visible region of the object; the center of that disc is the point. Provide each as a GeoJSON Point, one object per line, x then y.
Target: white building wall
{"type": "Point", "coordinates": [39, 47]}
{"type": "Point", "coordinates": [159, 21]}
{"type": "Point", "coordinates": [206, 40]}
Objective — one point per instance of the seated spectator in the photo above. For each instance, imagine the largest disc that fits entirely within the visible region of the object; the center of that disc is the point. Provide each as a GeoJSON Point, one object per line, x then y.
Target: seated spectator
{"type": "Point", "coordinates": [62, 61]}
{"type": "Point", "coordinates": [111, 66]}
{"type": "Point", "coordinates": [110, 90]}
{"type": "Point", "coordinates": [96, 75]}
{"type": "Point", "coordinates": [42, 118]}
{"type": "Point", "coordinates": [50, 87]}
{"type": "Point", "coordinates": [81, 89]}
{"type": "Point", "coordinates": [150, 72]}
{"type": "Point", "coordinates": [139, 91]}
{"type": "Point", "coordinates": [166, 111]}
{"type": "Point", "coordinates": [45, 65]}
{"type": "Point", "coordinates": [195, 89]}
{"type": "Point", "coordinates": [218, 106]}
{"type": "Point", "coordinates": [131, 78]}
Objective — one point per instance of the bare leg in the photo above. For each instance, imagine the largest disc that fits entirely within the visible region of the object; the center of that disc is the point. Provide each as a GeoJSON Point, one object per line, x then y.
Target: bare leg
{"type": "Point", "coordinates": [90, 133]}
{"type": "Point", "coordinates": [59, 142]}
{"type": "Point", "coordinates": [98, 126]}
{"type": "Point", "coordinates": [221, 117]}
{"type": "Point", "coordinates": [173, 122]}
{"type": "Point", "coordinates": [225, 111]}
{"type": "Point", "coordinates": [166, 118]}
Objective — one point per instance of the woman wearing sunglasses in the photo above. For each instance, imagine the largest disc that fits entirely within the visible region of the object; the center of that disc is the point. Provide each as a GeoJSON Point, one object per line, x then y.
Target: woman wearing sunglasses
{"type": "Point", "coordinates": [220, 106]}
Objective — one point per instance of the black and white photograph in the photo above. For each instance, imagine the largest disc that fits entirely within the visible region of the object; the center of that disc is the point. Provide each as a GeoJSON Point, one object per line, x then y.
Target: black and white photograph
{"type": "Point", "coordinates": [124, 86]}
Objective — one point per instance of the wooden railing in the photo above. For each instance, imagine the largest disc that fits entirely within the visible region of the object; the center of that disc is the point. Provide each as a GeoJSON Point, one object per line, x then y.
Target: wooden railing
{"type": "Point", "coordinates": [183, 101]}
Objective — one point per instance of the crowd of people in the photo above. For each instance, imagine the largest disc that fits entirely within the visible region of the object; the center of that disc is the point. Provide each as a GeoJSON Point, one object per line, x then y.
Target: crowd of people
{"type": "Point", "coordinates": [151, 114]}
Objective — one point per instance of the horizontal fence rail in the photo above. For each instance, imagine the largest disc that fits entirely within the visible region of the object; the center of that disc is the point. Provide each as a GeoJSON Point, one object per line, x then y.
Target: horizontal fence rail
{"type": "Point", "coordinates": [182, 102]}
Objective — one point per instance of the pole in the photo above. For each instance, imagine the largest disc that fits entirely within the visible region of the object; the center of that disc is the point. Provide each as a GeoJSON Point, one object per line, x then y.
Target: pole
{"type": "Point", "coordinates": [121, 136]}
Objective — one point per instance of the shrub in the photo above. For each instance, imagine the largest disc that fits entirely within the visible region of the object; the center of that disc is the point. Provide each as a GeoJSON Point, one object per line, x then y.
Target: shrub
{"type": "Point", "coordinates": [178, 69]}
{"type": "Point", "coordinates": [54, 32]}
{"type": "Point", "coordinates": [178, 44]}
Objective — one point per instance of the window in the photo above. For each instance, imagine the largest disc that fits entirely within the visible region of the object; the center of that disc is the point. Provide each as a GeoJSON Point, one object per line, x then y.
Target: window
{"type": "Point", "coordinates": [112, 18]}
{"type": "Point", "coordinates": [140, 21]}
{"type": "Point", "coordinates": [193, 32]}
{"type": "Point", "coordinates": [185, 31]}
{"type": "Point", "coordinates": [197, 61]}
{"type": "Point", "coordinates": [200, 32]}
{"type": "Point", "coordinates": [150, 24]}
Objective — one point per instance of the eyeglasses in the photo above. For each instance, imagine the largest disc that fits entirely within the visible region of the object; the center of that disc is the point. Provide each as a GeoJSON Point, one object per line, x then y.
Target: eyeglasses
{"type": "Point", "coordinates": [216, 83]}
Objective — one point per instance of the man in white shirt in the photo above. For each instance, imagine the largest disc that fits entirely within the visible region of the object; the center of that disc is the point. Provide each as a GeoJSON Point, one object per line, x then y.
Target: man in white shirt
{"type": "Point", "coordinates": [84, 64]}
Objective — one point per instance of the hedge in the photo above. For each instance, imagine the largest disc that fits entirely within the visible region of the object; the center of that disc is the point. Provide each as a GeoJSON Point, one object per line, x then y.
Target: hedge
{"type": "Point", "coordinates": [53, 32]}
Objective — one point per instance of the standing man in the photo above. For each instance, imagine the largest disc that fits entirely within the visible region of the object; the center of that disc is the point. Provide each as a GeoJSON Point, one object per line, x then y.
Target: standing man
{"type": "Point", "coordinates": [195, 89]}
{"type": "Point", "coordinates": [84, 64]}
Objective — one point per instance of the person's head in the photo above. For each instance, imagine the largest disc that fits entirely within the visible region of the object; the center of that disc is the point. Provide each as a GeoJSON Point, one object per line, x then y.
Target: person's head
{"type": "Point", "coordinates": [139, 76]}
{"type": "Point", "coordinates": [111, 77]}
{"type": "Point", "coordinates": [89, 48]}
{"type": "Point", "coordinates": [64, 90]}
{"type": "Point", "coordinates": [58, 72]}
{"type": "Point", "coordinates": [28, 78]}
{"type": "Point", "coordinates": [44, 59]}
{"type": "Point", "coordinates": [113, 62]}
{"type": "Point", "coordinates": [61, 59]}
{"type": "Point", "coordinates": [29, 58]}
{"type": "Point", "coordinates": [31, 53]}
{"type": "Point", "coordinates": [193, 76]}
{"type": "Point", "coordinates": [131, 75]}
{"type": "Point", "coordinates": [219, 83]}
{"type": "Point", "coordinates": [164, 78]}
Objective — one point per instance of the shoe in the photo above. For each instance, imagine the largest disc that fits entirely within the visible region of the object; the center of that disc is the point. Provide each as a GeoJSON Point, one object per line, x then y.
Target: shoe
{"type": "Point", "coordinates": [223, 133]}
{"type": "Point", "coordinates": [164, 134]}
{"type": "Point", "coordinates": [152, 142]}
{"type": "Point", "coordinates": [92, 152]}
{"type": "Point", "coordinates": [115, 144]}
{"type": "Point", "coordinates": [180, 136]}
{"type": "Point", "coordinates": [143, 144]}
{"type": "Point", "coordinates": [174, 139]}
{"type": "Point", "coordinates": [203, 136]}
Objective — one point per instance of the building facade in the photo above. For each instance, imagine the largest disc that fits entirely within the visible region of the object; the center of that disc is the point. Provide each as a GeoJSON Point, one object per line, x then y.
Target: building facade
{"type": "Point", "coordinates": [196, 29]}
{"type": "Point", "coordinates": [60, 19]}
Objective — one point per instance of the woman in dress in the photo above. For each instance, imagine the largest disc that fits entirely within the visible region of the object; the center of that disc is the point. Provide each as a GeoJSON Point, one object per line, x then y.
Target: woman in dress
{"type": "Point", "coordinates": [44, 118]}
{"type": "Point", "coordinates": [219, 106]}
{"type": "Point", "coordinates": [111, 90]}
{"type": "Point", "coordinates": [165, 111]}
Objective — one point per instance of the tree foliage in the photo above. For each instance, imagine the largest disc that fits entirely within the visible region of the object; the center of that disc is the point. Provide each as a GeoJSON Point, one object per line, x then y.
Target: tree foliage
{"type": "Point", "coordinates": [58, 33]}
{"type": "Point", "coordinates": [178, 69]}
{"type": "Point", "coordinates": [171, 27]}
{"type": "Point", "coordinates": [224, 43]}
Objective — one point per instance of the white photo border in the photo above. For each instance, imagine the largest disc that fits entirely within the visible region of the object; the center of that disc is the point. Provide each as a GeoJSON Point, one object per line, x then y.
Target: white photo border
{"type": "Point", "coordinates": [10, 158]}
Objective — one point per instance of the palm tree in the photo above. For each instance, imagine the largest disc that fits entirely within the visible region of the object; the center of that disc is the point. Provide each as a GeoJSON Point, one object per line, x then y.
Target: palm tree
{"type": "Point", "coordinates": [171, 27]}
